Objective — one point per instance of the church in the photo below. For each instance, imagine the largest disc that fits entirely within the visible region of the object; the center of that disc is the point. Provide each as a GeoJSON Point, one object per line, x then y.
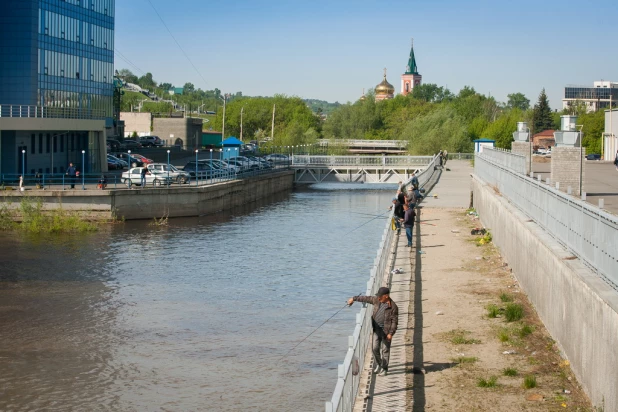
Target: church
{"type": "Point", "coordinates": [409, 80]}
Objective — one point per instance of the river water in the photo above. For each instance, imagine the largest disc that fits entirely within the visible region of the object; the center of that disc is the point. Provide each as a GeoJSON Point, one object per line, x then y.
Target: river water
{"type": "Point", "coordinates": [191, 316]}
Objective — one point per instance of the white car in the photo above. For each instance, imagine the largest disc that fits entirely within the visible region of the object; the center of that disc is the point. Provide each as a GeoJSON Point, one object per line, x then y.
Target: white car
{"type": "Point", "coordinates": [277, 158]}
{"type": "Point", "coordinates": [176, 175]}
{"type": "Point", "coordinates": [155, 178]}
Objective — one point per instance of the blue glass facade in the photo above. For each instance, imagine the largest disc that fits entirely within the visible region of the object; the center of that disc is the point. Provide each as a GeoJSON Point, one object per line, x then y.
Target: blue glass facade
{"type": "Point", "coordinates": [58, 54]}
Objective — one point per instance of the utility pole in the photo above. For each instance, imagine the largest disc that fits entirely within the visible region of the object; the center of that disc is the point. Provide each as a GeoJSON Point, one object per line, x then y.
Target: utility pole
{"type": "Point", "coordinates": [242, 109]}
{"type": "Point", "coordinates": [223, 129]}
{"type": "Point", "coordinates": [273, 126]}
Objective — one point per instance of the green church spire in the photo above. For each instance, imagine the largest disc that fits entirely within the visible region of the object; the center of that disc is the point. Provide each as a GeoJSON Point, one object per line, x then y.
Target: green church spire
{"type": "Point", "coordinates": [411, 67]}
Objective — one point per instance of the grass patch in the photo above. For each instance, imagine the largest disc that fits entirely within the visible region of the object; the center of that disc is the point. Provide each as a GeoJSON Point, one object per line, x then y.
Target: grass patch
{"type": "Point", "coordinates": [509, 372]}
{"type": "Point", "coordinates": [524, 331]}
{"type": "Point", "coordinates": [491, 382]}
{"type": "Point", "coordinates": [505, 297]}
{"type": "Point", "coordinates": [504, 335]}
{"type": "Point", "coordinates": [35, 220]}
{"type": "Point", "coordinates": [492, 311]}
{"type": "Point", "coordinates": [460, 337]}
{"type": "Point", "coordinates": [513, 312]}
{"type": "Point", "coordinates": [529, 382]}
{"type": "Point", "coordinates": [464, 360]}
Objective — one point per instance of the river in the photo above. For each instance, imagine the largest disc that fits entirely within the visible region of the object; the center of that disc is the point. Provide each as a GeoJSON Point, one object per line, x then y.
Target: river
{"type": "Point", "coordinates": [195, 315]}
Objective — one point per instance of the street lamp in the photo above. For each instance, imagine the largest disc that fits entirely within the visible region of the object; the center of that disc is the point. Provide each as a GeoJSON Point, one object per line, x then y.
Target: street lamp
{"type": "Point", "coordinates": [196, 167]}
{"type": "Point", "coordinates": [242, 109]}
{"type": "Point", "coordinates": [23, 165]}
{"type": "Point", "coordinates": [221, 159]}
{"type": "Point", "coordinates": [129, 168]}
{"type": "Point", "coordinates": [168, 167]}
{"type": "Point", "coordinates": [228, 161]}
{"type": "Point", "coordinates": [224, 97]}
{"type": "Point", "coordinates": [212, 168]}
{"type": "Point", "coordinates": [83, 170]}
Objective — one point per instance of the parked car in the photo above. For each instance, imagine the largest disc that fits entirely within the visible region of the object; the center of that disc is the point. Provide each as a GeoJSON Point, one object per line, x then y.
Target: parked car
{"type": "Point", "coordinates": [277, 158]}
{"type": "Point", "coordinates": [121, 163]}
{"type": "Point", "coordinates": [593, 156]}
{"type": "Point", "coordinates": [131, 161]}
{"type": "Point", "coordinates": [151, 141]}
{"type": "Point", "coordinates": [155, 178]}
{"type": "Point", "coordinates": [144, 159]}
{"type": "Point", "coordinates": [203, 170]}
{"type": "Point", "coordinates": [179, 176]}
{"type": "Point", "coordinates": [129, 144]}
{"type": "Point", "coordinates": [243, 166]}
{"type": "Point", "coordinates": [114, 145]}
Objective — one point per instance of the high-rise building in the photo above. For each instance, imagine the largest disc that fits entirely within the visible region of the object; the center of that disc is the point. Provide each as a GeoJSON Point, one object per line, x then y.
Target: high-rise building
{"type": "Point", "coordinates": [599, 96]}
{"type": "Point", "coordinates": [56, 84]}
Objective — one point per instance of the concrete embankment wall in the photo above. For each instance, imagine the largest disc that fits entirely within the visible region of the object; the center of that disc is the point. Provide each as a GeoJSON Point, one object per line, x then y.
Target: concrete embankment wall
{"type": "Point", "coordinates": [578, 308]}
{"type": "Point", "coordinates": [173, 202]}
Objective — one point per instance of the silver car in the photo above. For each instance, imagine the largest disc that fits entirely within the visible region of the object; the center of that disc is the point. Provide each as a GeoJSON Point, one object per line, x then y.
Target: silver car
{"type": "Point", "coordinates": [175, 174]}
{"type": "Point", "coordinates": [155, 178]}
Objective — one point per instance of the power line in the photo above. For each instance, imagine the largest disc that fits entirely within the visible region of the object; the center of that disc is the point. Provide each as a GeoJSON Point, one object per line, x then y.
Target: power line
{"type": "Point", "coordinates": [178, 44]}
{"type": "Point", "coordinates": [129, 62]}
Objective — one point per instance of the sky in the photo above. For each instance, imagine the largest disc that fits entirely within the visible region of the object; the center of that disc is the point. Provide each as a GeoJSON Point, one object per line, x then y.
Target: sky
{"type": "Point", "coordinates": [331, 50]}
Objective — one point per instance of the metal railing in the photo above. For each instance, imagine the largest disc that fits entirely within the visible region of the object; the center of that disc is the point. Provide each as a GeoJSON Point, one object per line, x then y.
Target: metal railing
{"type": "Point", "coordinates": [26, 111]}
{"type": "Point", "coordinates": [92, 181]}
{"type": "Point", "coordinates": [401, 144]}
{"type": "Point", "coordinates": [425, 175]}
{"type": "Point", "coordinates": [514, 162]}
{"type": "Point", "coordinates": [585, 230]}
{"type": "Point", "coordinates": [348, 373]}
{"type": "Point", "coordinates": [460, 156]}
{"type": "Point", "coordinates": [343, 161]}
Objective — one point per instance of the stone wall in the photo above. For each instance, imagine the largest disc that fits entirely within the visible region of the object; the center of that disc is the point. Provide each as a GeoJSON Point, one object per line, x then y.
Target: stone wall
{"type": "Point", "coordinates": [566, 163]}
{"type": "Point", "coordinates": [136, 122]}
{"type": "Point", "coordinates": [184, 132]}
{"type": "Point", "coordinates": [578, 308]}
{"type": "Point", "coordinates": [522, 148]}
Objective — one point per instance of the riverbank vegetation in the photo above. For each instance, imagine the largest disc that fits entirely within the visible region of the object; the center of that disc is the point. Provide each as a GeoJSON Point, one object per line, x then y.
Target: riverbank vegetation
{"type": "Point", "coordinates": [32, 218]}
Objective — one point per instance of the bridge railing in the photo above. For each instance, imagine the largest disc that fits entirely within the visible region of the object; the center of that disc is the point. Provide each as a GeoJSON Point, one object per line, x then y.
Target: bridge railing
{"type": "Point", "coordinates": [514, 162]}
{"type": "Point", "coordinates": [348, 373]}
{"type": "Point", "coordinates": [342, 161]}
{"type": "Point", "coordinates": [366, 143]}
{"type": "Point", "coordinates": [585, 230]}
{"type": "Point", "coordinates": [425, 175]}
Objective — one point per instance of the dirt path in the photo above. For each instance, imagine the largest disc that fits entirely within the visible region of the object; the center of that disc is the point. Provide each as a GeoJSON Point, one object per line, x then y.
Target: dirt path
{"type": "Point", "coordinates": [459, 356]}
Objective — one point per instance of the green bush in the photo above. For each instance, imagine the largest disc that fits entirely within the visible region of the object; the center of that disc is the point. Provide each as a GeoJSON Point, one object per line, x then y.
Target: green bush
{"type": "Point", "coordinates": [492, 311]}
{"type": "Point", "coordinates": [530, 382]}
{"type": "Point", "coordinates": [505, 297]}
{"type": "Point", "coordinates": [513, 312]}
{"type": "Point", "coordinates": [487, 383]}
{"type": "Point", "coordinates": [509, 372]}
{"type": "Point", "coordinates": [524, 331]}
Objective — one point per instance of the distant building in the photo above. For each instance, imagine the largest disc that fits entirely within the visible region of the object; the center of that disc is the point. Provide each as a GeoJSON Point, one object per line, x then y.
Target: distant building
{"type": "Point", "coordinates": [545, 139]}
{"type": "Point", "coordinates": [384, 90]}
{"type": "Point", "coordinates": [411, 77]}
{"type": "Point", "coordinates": [176, 90]}
{"type": "Point", "coordinates": [595, 98]}
{"type": "Point", "coordinates": [610, 137]}
{"type": "Point", "coordinates": [56, 84]}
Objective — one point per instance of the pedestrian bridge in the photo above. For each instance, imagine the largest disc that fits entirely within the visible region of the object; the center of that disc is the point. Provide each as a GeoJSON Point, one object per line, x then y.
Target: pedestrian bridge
{"type": "Point", "coordinates": [356, 169]}
{"type": "Point", "coordinates": [368, 146]}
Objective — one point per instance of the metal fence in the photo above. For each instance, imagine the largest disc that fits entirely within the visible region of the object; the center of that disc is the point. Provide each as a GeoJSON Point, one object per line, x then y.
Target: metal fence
{"type": "Point", "coordinates": [585, 230]}
{"type": "Point", "coordinates": [10, 110]}
{"type": "Point", "coordinates": [343, 161]}
{"type": "Point", "coordinates": [512, 161]}
{"type": "Point", "coordinates": [461, 156]}
{"type": "Point", "coordinates": [348, 373]}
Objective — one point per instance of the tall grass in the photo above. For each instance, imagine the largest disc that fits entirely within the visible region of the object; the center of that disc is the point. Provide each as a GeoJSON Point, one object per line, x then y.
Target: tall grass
{"type": "Point", "coordinates": [35, 220]}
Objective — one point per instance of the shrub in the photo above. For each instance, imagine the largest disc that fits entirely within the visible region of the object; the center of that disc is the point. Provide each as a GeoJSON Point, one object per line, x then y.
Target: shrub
{"type": "Point", "coordinates": [505, 297]}
{"type": "Point", "coordinates": [509, 372]}
{"type": "Point", "coordinates": [492, 310]}
{"type": "Point", "coordinates": [524, 331]}
{"type": "Point", "coordinates": [530, 382]}
{"type": "Point", "coordinates": [487, 383]}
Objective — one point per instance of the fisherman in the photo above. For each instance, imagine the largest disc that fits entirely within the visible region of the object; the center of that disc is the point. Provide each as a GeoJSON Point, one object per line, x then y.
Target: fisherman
{"type": "Point", "coordinates": [384, 322]}
{"type": "Point", "coordinates": [408, 222]}
{"type": "Point", "coordinates": [414, 180]}
{"type": "Point", "coordinates": [398, 213]}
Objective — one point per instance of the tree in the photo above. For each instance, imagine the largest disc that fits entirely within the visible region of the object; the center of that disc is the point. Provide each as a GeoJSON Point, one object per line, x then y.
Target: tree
{"type": "Point", "coordinates": [188, 88]}
{"type": "Point", "coordinates": [127, 76]}
{"type": "Point", "coordinates": [147, 82]}
{"type": "Point", "coordinates": [518, 101]}
{"type": "Point", "coordinates": [542, 117]}
{"type": "Point", "coordinates": [166, 87]}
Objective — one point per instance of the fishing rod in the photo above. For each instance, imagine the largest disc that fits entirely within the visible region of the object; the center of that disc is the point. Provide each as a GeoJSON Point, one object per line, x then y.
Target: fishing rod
{"type": "Point", "coordinates": [370, 220]}
{"type": "Point", "coordinates": [364, 214]}
{"type": "Point", "coordinates": [315, 330]}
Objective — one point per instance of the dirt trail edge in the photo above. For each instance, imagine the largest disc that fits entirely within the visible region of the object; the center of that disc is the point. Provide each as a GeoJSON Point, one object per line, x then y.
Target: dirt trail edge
{"type": "Point", "coordinates": [474, 342]}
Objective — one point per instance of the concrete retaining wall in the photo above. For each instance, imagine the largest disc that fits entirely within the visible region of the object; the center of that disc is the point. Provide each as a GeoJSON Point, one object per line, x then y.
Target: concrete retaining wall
{"type": "Point", "coordinates": [576, 306]}
{"type": "Point", "coordinates": [173, 202]}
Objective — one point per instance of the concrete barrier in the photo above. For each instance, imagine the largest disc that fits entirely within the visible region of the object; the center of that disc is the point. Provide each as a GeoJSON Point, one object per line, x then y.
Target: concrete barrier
{"type": "Point", "coordinates": [149, 203]}
{"type": "Point", "coordinates": [577, 307]}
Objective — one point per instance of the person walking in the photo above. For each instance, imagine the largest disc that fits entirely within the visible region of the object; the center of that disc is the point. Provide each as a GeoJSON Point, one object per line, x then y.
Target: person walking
{"type": "Point", "coordinates": [145, 172]}
{"type": "Point", "coordinates": [408, 222]}
{"type": "Point", "coordinates": [414, 180]}
{"type": "Point", "coordinates": [72, 173]}
{"type": "Point", "coordinates": [384, 322]}
{"type": "Point", "coordinates": [616, 160]}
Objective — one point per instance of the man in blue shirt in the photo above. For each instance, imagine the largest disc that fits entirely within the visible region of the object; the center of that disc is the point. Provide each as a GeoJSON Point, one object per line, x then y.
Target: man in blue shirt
{"type": "Point", "coordinates": [408, 222]}
{"type": "Point", "coordinates": [72, 172]}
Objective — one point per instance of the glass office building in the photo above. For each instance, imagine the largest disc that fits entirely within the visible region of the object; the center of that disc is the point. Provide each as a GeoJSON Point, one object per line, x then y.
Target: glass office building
{"type": "Point", "coordinates": [56, 62]}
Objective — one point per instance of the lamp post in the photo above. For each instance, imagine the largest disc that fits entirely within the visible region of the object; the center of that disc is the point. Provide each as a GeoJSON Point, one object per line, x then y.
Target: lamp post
{"type": "Point", "coordinates": [242, 109]}
{"type": "Point", "coordinates": [228, 161]}
{"type": "Point", "coordinates": [168, 167]}
{"type": "Point", "coordinates": [196, 168]}
{"type": "Point", "coordinates": [530, 140]}
{"type": "Point", "coordinates": [83, 170]}
{"type": "Point", "coordinates": [129, 168]}
{"type": "Point", "coordinates": [212, 170]}
{"type": "Point", "coordinates": [224, 97]}
{"type": "Point", "coordinates": [23, 165]}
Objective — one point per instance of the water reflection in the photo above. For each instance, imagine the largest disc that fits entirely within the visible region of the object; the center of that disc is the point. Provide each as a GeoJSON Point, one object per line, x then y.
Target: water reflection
{"type": "Point", "coordinates": [194, 315]}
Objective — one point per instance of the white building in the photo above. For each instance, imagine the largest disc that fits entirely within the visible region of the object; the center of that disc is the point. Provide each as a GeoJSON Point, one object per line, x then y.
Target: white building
{"type": "Point", "coordinates": [610, 137]}
{"type": "Point", "coordinates": [595, 98]}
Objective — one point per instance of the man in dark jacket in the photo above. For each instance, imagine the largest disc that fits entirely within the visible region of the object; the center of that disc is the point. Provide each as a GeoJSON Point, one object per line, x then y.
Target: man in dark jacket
{"type": "Point", "coordinates": [384, 322]}
{"type": "Point", "coordinates": [72, 173]}
{"type": "Point", "coordinates": [398, 213]}
{"type": "Point", "coordinates": [408, 222]}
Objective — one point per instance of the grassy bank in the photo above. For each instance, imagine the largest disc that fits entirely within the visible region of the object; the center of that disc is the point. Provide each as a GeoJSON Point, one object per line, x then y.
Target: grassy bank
{"type": "Point", "coordinates": [30, 217]}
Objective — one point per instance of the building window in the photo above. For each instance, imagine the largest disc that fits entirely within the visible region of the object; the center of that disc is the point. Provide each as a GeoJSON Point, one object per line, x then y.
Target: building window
{"type": "Point", "coordinates": [47, 143]}
{"type": "Point", "coordinates": [72, 141]}
{"type": "Point", "coordinates": [40, 142]}
{"type": "Point", "coordinates": [61, 144]}
{"type": "Point", "coordinates": [55, 144]}
{"type": "Point", "coordinates": [32, 142]}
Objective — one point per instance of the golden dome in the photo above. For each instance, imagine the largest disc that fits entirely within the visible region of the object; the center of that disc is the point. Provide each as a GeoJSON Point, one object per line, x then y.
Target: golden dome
{"type": "Point", "coordinates": [385, 87]}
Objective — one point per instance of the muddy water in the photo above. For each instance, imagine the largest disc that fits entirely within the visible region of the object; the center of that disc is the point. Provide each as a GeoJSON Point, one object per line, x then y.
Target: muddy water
{"type": "Point", "coordinates": [195, 315]}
